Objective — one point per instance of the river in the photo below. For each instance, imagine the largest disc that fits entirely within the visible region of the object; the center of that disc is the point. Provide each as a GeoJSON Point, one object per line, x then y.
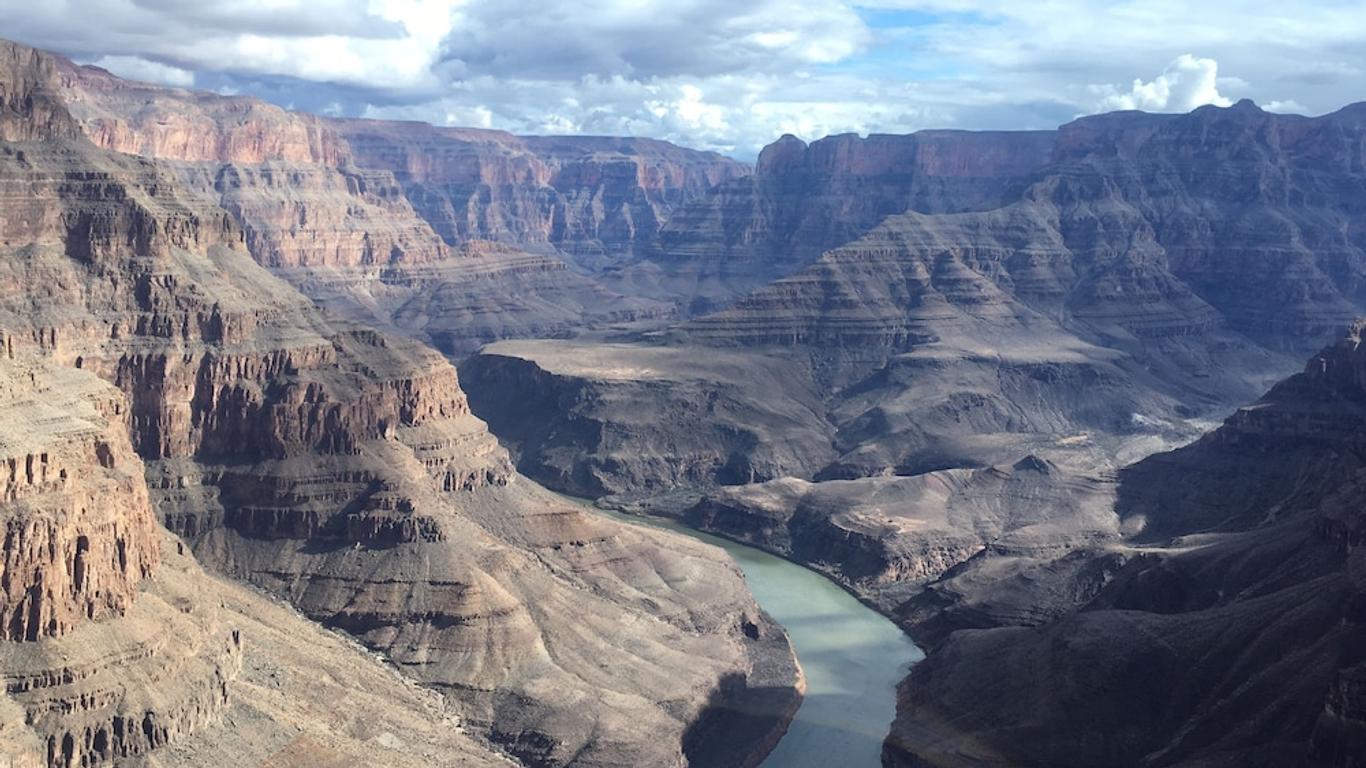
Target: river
{"type": "Point", "coordinates": [853, 657]}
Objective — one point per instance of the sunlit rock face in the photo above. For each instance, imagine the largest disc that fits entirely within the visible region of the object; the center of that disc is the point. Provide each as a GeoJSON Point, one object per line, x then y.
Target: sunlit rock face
{"type": "Point", "coordinates": [454, 236]}
{"type": "Point", "coordinates": [600, 199]}
{"type": "Point", "coordinates": [89, 625]}
{"type": "Point", "coordinates": [336, 466]}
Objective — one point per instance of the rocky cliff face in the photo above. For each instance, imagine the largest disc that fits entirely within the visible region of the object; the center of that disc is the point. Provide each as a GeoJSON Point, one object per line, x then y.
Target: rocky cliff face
{"type": "Point", "coordinates": [90, 632]}
{"type": "Point", "coordinates": [594, 419]}
{"type": "Point", "coordinates": [341, 469]}
{"type": "Point", "coordinates": [598, 199]}
{"type": "Point", "coordinates": [80, 536]}
{"type": "Point", "coordinates": [286, 175]}
{"type": "Point", "coordinates": [287, 178]}
{"type": "Point", "coordinates": [175, 124]}
{"type": "Point", "coordinates": [1140, 227]}
{"type": "Point", "coordinates": [119, 649]}
{"type": "Point", "coordinates": [29, 108]}
{"type": "Point", "coordinates": [390, 223]}
{"type": "Point", "coordinates": [485, 292]}
{"type": "Point", "coordinates": [1237, 610]}
{"type": "Point", "coordinates": [803, 200]}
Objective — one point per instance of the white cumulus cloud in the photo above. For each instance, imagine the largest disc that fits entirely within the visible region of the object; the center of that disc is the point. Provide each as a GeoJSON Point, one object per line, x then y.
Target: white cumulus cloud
{"type": "Point", "coordinates": [1186, 83]}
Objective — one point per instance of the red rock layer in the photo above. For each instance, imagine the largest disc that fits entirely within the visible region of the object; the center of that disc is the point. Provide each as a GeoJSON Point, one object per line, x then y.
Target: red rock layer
{"type": "Point", "coordinates": [590, 196]}
{"type": "Point", "coordinates": [79, 535]}
{"type": "Point", "coordinates": [341, 469]}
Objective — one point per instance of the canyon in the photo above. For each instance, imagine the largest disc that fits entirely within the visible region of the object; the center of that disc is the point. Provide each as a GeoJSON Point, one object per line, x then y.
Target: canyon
{"type": "Point", "coordinates": [1229, 632]}
{"type": "Point", "coordinates": [327, 464]}
{"type": "Point", "coordinates": [986, 374]}
{"type": "Point", "coordinates": [296, 387]}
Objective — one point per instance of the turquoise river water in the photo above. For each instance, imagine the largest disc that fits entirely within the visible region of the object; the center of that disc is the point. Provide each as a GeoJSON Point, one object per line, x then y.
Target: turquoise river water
{"type": "Point", "coordinates": [853, 657]}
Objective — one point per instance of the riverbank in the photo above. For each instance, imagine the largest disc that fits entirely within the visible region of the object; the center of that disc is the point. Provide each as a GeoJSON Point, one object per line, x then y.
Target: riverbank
{"type": "Point", "coordinates": [853, 657]}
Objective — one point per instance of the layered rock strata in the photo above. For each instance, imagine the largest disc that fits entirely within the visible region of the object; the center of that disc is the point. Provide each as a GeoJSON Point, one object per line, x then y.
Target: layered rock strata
{"type": "Point", "coordinates": [804, 199]}
{"type": "Point", "coordinates": [592, 419]}
{"type": "Point", "coordinates": [600, 199]}
{"type": "Point", "coordinates": [489, 291]}
{"type": "Point", "coordinates": [1230, 635]}
{"type": "Point", "coordinates": [886, 537]}
{"type": "Point", "coordinates": [341, 469]}
{"type": "Point", "coordinates": [391, 223]}
{"type": "Point", "coordinates": [306, 696]}
{"type": "Point", "coordinates": [103, 657]}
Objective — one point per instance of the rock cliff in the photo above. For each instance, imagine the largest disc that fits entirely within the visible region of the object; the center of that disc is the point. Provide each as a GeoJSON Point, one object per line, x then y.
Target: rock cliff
{"type": "Point", "coordinates": [592, 419]}
{"type": "Point", "coordinates": [340, 469]}
{"type": "Point", "coordinates": [1230, 635]}
{"type": "Point", "coordinates": [804, 199]}
{"type": "Point", "coordinates": [91, 631]}
{"type": "Point", "coordinates": [1139, 227]}
{"type": "Point", "coordinates": [599, 199]}
{"type": "Point", "coordinates": [485, 292]}
{"type": "Point", "coordinates": [393, 223]}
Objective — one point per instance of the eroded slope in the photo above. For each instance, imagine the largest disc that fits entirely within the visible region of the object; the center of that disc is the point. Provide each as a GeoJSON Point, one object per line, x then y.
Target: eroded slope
{"type": "Point", "coordinates": [341, 469]}
{"type": "Point", "coordinates": [1232, 635]}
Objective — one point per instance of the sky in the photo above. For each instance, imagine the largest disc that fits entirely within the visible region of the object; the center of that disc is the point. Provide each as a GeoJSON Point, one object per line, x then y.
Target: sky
{"type": "Point", "coordinates": [726, 75]}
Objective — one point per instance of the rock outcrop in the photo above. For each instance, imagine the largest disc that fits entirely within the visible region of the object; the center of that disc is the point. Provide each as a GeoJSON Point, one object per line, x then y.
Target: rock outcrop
{"type": "Point", "coordinates": [1230, 635]}
{"type": "Point", "coordinates": [341, 469]}
{"type": "Point", "coordinates": [599, 199]}
{"type": "Point", "coordinates": [91, 632]}
{"type": "Point", "coordinates": [455, 236]}
{"type": "Point", "coordinates": [805, 199]}
{"type": "Point", "coordinates": [592, 419]}
{"type": "Point", "coordinates": [80, 536]}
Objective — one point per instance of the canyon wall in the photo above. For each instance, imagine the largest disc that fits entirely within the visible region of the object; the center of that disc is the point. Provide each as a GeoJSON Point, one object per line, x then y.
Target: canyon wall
{"type": "Point", "coordinates": [804, 199]}
{"type": "Point", "coordinates": [598, 199]}
{"type": "Point", "coordinates": [445, 234]}
{"type": "Point", "coordinates": [1139, 227]}
{"type": "Point", "coordinates": [90, 632]}
{"type": "Point", "coordinates": [592, 419]}
{"type": "Point", "coordinates": [341, 469]}
{"type": "Point", "coordinates": [1231, 633]}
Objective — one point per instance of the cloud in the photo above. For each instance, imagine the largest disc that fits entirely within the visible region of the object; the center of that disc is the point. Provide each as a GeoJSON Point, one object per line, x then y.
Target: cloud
{"type": "Point", "coordinates": [134, 68]}
{"type": "Point", "coordinates": [719, 74]}
{"type": "Point", "coordinates": [1186, 83]}
{"type": "Point", "coordinates": [1286, 107]}
{"type": "Point", "coordinates": [644, 39]}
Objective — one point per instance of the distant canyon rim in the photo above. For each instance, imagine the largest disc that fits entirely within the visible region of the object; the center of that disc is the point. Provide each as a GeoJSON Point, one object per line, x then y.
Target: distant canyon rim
{"type": "Point", "coordinates": [1083, 411]}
